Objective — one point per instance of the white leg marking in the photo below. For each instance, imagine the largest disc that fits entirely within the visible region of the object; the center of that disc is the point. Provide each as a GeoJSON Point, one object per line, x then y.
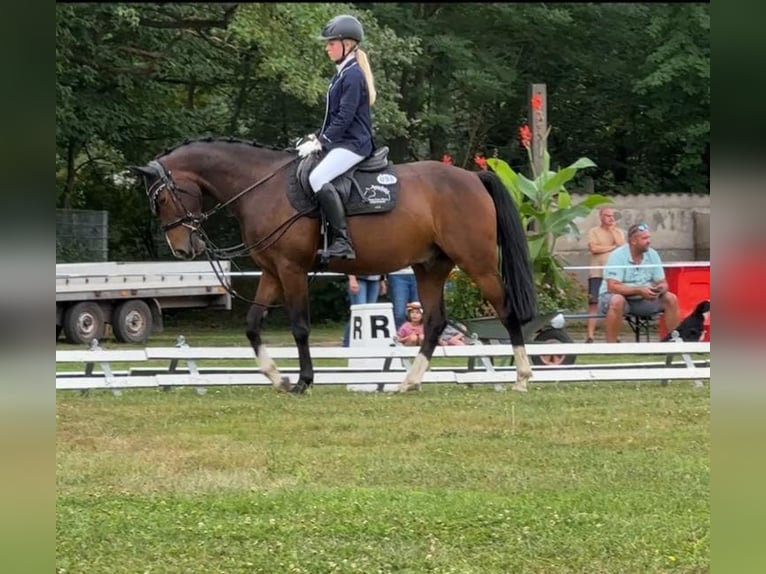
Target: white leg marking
{"type": "Point", "coordinates": [523, 369]}
{"type": "Point", "coordinates": [269, 368]}
{"type": "Point", "coordinates": [413, 377]}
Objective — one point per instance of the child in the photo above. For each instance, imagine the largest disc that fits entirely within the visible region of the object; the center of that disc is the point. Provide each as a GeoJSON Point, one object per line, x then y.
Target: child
{"type": "Point", "coordinates": [411, 332]}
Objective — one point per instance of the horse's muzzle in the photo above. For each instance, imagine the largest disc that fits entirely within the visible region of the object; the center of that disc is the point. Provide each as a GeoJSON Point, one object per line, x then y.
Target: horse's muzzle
{"type": "Point", "coordinates": [195, 246]}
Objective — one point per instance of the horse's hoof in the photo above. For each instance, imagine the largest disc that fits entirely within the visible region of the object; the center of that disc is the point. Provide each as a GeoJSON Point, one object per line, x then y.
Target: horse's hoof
{"type": "Point", "coordinates": [519, 387]}
{"type": "Point", "coordinates": [285, 386]}
{"type": "Point", "coordinates": [299, 388]}
{"type": "Point", "coordinates": [408, 388]}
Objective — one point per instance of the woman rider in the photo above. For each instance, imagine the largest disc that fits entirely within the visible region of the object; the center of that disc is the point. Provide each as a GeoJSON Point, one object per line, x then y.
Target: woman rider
{"type": "Point", "coordinates": [346, 131]}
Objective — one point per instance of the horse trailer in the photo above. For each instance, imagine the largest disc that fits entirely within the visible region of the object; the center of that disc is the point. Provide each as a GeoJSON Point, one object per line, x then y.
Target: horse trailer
{"type": "Point", "coordinates": [131, 296]}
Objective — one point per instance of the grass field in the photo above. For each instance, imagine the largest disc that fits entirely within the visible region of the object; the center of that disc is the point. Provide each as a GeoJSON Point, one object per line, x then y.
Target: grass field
{"type": "Point", "coordinates": [611, 477]}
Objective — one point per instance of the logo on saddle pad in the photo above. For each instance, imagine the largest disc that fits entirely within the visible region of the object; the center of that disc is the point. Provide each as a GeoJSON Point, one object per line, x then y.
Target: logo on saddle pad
{"type": "Point", "coordinates": [377, 194]}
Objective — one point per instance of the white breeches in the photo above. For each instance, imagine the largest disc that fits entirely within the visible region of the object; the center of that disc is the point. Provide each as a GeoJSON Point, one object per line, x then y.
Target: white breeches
{"type": "Point", "coordinates": [336, 162]}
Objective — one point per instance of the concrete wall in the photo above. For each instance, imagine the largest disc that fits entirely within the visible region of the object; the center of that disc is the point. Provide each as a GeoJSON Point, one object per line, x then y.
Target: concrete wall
{"type": "Point", "coordinates": [680, 226]}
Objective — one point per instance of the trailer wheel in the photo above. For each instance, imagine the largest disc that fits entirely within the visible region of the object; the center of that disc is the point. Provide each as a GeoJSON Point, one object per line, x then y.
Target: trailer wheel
{"type": "Point", "coordinates": [132, 321]}
{"type": "Point", "coordinates": [84, 322]}
{"type": "Point", "coordinates": [551, 335]}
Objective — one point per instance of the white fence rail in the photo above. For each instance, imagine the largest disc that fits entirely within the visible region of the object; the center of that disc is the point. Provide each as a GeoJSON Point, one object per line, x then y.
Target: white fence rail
{"type": "Point", "coordinates": [484, 364]}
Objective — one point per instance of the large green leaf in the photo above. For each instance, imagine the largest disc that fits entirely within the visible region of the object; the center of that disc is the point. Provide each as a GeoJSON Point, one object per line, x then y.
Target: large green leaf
{"type": "Point", "coordinates": [507, 176]}
{"type": "Point", "coordinates": [564, 175]}
{"type": "Point", "coordinates": [535, 245]}
{"type": "Point", "coordinates": [529, 189]}
{"type": "Point", "coordinates": [595, 200]}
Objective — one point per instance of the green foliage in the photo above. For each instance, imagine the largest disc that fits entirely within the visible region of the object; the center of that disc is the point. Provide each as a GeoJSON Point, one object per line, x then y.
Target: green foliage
{"type": "Point", "coordinates": [464, 300]}
{"type": "Point", "coordinates": [284, 36]}
{"type": "Point", "coordinates": [546, 208]}
{"type": "Point", "coordinates": [568, 295]}
{"type": "Point", "coordinates": [74, 251]}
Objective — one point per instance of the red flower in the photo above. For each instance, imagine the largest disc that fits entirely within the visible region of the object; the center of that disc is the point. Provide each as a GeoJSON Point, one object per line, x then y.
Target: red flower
{"type": "Point", "coordinates": [537, 102]}
{"type": "Point", "coordinates": [447, 159]}
{"type": "Point", "coordinates": [525, 134]}
{"type": "Point", "coordinates": [481, 162]}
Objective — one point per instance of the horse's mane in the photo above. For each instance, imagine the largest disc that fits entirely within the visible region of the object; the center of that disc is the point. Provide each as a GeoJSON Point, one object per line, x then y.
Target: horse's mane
{"type": "Point", "coordinates": [223, 139]}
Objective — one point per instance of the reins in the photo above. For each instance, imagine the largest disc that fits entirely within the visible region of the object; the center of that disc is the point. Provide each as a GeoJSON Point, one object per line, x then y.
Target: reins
{"type": "Point", "coordinates": [215, 255]}
{"type": "Point", "coordinates": [263, 180]}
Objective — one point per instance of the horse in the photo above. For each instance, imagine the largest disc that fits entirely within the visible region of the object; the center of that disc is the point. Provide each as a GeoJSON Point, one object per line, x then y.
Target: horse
{"type": "Point", "coordinates": [444, 216]}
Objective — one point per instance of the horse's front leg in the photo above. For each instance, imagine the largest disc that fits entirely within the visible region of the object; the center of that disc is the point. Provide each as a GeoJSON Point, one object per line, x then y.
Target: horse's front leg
{"type": "Point", "coordinates": [296, 291]}
{"type": "Point", "coordinates": [267, 292]}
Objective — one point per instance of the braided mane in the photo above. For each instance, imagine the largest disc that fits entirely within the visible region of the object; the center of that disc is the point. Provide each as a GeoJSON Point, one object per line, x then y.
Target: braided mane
{"type": "Point", "coordinates": [210, 139]}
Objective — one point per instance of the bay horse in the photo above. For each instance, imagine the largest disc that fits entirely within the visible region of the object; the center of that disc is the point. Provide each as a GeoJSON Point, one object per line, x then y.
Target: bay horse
{"type": "Point", "coordinates": [444, 216]}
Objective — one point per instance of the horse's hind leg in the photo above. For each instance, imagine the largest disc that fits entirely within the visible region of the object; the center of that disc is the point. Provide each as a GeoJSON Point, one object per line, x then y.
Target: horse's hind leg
{"type": "Point", "coordinates": [267, 292]}
{"type": "Point", "coordinates": [430, 278]}
{"type": "Point", "coordinates": [492, 290]}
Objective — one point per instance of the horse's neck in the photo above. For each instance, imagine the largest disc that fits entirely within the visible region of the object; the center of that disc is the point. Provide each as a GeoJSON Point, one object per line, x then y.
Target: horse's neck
{"type": "Point", "coordinates": [255, 199]}
{"type": "Point", "coordinates": [239, 184]}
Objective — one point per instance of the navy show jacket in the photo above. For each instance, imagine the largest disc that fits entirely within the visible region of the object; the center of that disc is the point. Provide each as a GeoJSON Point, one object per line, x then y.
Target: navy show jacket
{"type": "Point", "coordinates": [347, 122]}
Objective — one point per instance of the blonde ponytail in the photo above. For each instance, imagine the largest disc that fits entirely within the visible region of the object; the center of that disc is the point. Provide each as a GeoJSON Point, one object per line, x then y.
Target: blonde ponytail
{"type": "Point", "coordinates": [364, 63]}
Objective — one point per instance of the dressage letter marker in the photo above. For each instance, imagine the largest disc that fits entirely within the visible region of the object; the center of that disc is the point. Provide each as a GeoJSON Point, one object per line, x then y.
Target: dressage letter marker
{"type": "Point", "coordinates": [372, 325]}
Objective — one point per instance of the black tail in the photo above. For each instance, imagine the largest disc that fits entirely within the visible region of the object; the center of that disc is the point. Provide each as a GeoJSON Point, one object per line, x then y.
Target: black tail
{"type": "Point", "coordinates": [516, 267]}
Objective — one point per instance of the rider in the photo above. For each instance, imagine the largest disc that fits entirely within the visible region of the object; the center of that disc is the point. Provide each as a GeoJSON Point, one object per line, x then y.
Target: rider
{"type": "Point", "coordinates": [346, 132]}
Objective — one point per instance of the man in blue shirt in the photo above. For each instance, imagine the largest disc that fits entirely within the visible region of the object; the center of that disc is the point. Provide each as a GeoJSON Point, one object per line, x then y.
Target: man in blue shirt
{"type": "Point", "coordinates": [634, 282]}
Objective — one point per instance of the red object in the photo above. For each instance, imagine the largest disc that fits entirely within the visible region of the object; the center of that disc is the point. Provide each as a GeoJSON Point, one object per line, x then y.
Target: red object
{"type": "Point", "coordinates": [481, 162]}
{"type": "Point", "coordinates": [537, 102]}
{"type": "Point", "coordinates": [447, 159]}
{"type": "Point", "coordinates": [691, 284]}
{"type": "Point", "coordinates": [525, 134]}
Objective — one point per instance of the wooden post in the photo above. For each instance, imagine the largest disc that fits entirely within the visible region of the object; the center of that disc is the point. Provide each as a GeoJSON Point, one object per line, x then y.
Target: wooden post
{"type": "Point", "coordinates": [538, 118]}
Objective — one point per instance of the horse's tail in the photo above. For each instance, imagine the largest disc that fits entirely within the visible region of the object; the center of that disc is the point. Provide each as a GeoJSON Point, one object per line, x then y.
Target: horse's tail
{"type": "Point", "coordinates": [516, 267]}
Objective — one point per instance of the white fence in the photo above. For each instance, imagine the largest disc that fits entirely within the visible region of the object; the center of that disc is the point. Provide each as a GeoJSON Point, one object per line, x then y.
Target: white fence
{"type": "Point", "coordinates": [484, 364]}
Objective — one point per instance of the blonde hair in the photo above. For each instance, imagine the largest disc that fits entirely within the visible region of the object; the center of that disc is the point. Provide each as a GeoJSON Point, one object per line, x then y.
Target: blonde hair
{"type": "Point", "coordinates": [364, 63]}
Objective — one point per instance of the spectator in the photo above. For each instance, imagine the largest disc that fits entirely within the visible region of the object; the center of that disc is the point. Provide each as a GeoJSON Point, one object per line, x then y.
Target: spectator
{"type": "Point", "coordinates": [635, 283]}
{"type": "Point", "coordinates": [362, 289]}
{"type": "Point", "coordinates": [451, 336]}
{"type": "Point", "coordinates": [402, 289]}
{"type": "Point", "coordinates": [412, 330]}
{"type": "Point", "coordinates": [602, 240]}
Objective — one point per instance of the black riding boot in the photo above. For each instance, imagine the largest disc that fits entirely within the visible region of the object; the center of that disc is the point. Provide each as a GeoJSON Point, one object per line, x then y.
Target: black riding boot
{"type": "Point", "coordinates": [332, 207]}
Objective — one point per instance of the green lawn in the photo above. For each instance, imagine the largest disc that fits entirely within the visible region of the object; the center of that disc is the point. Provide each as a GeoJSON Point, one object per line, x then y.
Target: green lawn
{"type": "Point", "coordinates": [589, 478]}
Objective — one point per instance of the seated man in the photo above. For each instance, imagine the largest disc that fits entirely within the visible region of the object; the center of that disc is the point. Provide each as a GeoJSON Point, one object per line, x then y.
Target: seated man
{"type": "Point", "coordinates": [634, 282]}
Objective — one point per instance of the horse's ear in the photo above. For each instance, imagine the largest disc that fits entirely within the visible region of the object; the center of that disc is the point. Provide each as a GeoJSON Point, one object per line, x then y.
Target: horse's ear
{"type": "Point", "coordinates": [141, 170]}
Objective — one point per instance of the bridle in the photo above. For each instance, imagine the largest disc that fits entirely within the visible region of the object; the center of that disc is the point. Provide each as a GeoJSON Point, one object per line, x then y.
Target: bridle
{"type": "Point", "coordinates": [165, 182]}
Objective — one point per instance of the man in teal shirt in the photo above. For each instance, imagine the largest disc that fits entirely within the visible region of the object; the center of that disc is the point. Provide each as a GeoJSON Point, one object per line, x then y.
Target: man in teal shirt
{"type": "Point", "coordinates": [634, 282]}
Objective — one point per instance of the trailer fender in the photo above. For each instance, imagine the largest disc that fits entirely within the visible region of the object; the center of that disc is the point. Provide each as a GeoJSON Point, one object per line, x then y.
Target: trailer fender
{"type": "Point", "coordinates": [157, 324]}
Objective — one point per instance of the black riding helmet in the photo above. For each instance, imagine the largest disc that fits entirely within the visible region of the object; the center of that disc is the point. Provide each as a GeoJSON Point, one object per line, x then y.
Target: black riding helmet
{"type": "Point", "coordinates": [343, 27]}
